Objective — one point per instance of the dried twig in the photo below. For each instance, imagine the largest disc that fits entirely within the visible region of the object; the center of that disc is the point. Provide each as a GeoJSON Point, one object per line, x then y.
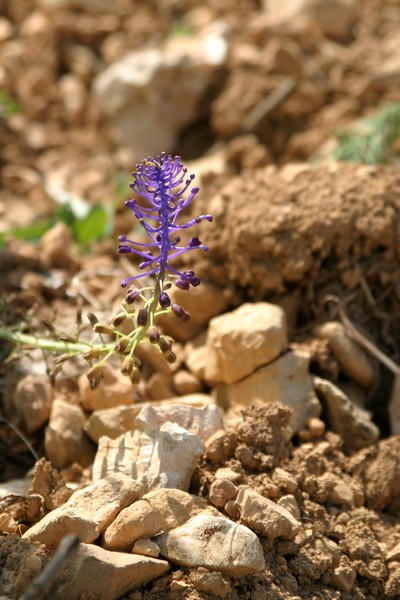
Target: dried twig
{"type": "Point", "coordinates": [41, 585]}
{"type": "Point", "coordinates": [267, 105]}
{"type": "Point", "coordinates": [358, 337]}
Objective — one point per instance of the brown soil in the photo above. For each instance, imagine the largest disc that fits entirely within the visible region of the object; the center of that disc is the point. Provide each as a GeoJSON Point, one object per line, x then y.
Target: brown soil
{"type": "Point", "coordinates": [283, 232]}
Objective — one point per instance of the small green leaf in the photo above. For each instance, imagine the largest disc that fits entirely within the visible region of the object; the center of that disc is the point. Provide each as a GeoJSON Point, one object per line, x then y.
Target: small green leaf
{"type": "Point", "coordinates": [29, 233]}
{"type": "Point", "coordinates": [94, 227]}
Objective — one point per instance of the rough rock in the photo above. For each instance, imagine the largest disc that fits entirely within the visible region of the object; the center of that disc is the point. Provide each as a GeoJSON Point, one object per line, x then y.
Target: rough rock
{"type": "Point", "coordinates": [210, 582]}
{"type": "Point", "coordinates": [113, 422]}
{"type": "Point", "coordinates": [285, 380]}
{"type": "Point", "coordinates": [140, 519]}
{"type": "Point", "coordinates": [381, 476]}
{"type": "Point", "coordinates": [88, 512]}
{"type": "Point", "coordinates": [289, 503]}
{"type": "Point", "coordinates": [204, 422]}
{"type": "Point", "coordinates": [352, 423]}
{"type": "Point", "coordinates": [55, 248]}
{"type": "Point", "coordinates": [146, 547]}
{"type": "Point", "coordinates": [177, 506]}
{"type": "Point", "coordinates": [65, 440]}
{"type": "Point", "coordinates": [186, 383]}
{"type": "Point", "coordinates": [197, 356]}
{"type": "Point", "coordinates": [115, 389]}
{"type": "Point", "coordinates": [215, 543]}
{"type": "Point", "coordinates": [159, 386]}
{"type": "Point", "coordinates": [105, 575]}
{"type": "Point", "coordinates": [153, 458]}
{"type": "Point", "coordinates": [264, 516]}
{"type": "Point", "coordinates": [151, 94]}
{"type": "Point", "coordinates": [239, 342]}
{"type": "Point", "coordinates": [352, 359]}
{"type": "Point", "coordinates": [32, 398]}
{"type": "Point", "coordinates": [221, 491]}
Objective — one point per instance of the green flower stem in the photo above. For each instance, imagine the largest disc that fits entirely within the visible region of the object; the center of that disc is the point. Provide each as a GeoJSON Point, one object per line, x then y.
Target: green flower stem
{"type": "Point", "coordinates": [24, 339]}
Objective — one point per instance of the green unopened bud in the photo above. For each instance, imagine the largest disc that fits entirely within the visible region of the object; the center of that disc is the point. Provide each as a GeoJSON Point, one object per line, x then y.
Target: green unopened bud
{"type": "Point", "coordinates": [122, 345]}
{"type": "Point", "coordinates": [91, 354]}
{"type": "Point", "coordinates": [170, 357]}
{"type": "Point", "coordinates": [103, 328]}
{"type": "Point", "coordinates": [127, 366]}
{"type": "Point", "coordinates": [153, 334]}
{"type": "Point", "coordinates": [164, 344]}
{"type": "Point", "coordinates": [135, 376]}
{"type": "Point", "coordinates": [94, 375]}
{"type": "Point", "coordinates": [118, 319]}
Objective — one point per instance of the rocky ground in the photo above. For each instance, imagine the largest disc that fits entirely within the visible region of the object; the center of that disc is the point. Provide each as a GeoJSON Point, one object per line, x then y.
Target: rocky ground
{"type": "Point", "coordinates": [263, 463]}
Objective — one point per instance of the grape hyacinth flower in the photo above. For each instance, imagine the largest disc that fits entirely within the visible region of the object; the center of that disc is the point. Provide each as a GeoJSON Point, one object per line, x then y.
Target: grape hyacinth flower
{"type": "Point", "coordinates": [162, 183]}
{"type": "Point", "coordinates": [166, 190]}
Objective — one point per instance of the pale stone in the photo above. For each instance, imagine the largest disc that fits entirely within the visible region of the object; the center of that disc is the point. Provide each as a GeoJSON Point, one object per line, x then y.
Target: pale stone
{"type": "Point", "coordinates": [74, 97]}
{"type": "Point", "coordinates": [338, 492]}
{"type": "Point", "coordinates": [343, 576]}
{"type": "Point", "coordinates": [196, 360]}
{"type": "Point", "coordinates": [264, 516]}
{"type": "Point", "coordinates": [146, 547]}
{"type": "Point", "coordinates": [211, 582]}
{"type": "Point", "coordinates": [239, 342]}
{"type": "Point", "coordinates": [393, 553]}
{"type": "Point", "coordinates": [113, 422]}
{"type": "Point", "coordinates": [215, 543]}
{"type": "Point", "coordinates": [65, 441]}
{"type": "Point", "coordinates": [88, 512]}
{"type": "Point", "coordinates": [221, 491]}
{"type": "Point", "coordinates": [289, 503]}
{"type": "Point", "coordinates": [203, 303]}
{"type": "Point", "coordinates": [204, 422]}
{"type": "Point", "coordinates": [186, 383]}
{"type": "Point", "coordinates": [151, 94]}
{"type": "Point", "coordinates": [285, 380]}
{"type": "Point", "coordinates": [352, 359]}
{"type": "Point", "coordinates": [153, 458]}
{"type": "Point", "coordinates": [177, 506]}
{"type": "Point", "coordinates": [352, 423]}
{"type": "Point", "coordinates": [140, 519]}
{"type": "Point", "coordinates": [115, 389]}
{"type": "Point", "coordinates": [105, 575]}
{"type": "Point", "coordinates": [159, 386]}
{"type": "Point", "coordinates": [32, 399]}
{"type": "Point", "coordinates": [285, 480]}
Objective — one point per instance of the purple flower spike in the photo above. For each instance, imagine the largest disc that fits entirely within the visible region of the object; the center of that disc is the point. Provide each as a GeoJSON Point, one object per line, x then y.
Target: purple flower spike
{"type": "Point", "coordinates": [165, 186]}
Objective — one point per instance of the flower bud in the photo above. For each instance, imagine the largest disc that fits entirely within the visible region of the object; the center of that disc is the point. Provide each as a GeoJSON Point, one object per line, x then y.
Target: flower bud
{"type": "Point", "coordinates": [94, 375]}
{"type": "Point", "coordinates": [164, 300]}
{"type": "Point", "coordinates": [131, 296]}
{"type": "Point", "coordinates": [127, 366]}
{"type": "Point", "coordinates": [153, 335]}
{"type": "Point", "coordinates": [118, 319]}
{"type": "Point", "coordinates": [178, 310]}
{"type": "Point", "coordinates": [91, 354]}
{"type": "Point", "coordinates": [49, 326]}
{"type": "Point", "coordinates": [182, 284]}
{"type": "Point", "coordinates": [92, 319]}
{"type": "Point", "coordinates": [186, 317]}
{"type": "Point", "coordinates": [164, 344]}
{"type": "Point", "coordinates": [64, 337]}
{"type": "Point", "coordinates": [103, 328]}
{"type": "Point", "coordinates": [135, 376]}
{"type": "Point", "coordinates": [122, 345]}
{"type": "Point", "coordinates": [142, 317]}
{"type": "Point", "coordinates": [62, 358]}
{"type": "Point", "coordinates": [170, 357]}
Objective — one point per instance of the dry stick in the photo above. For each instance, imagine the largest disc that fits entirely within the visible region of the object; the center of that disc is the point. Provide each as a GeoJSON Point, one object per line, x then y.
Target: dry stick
{"type": "Point", "coordinates": [267, 105]}
{"type": "Point", "coordinates": [41, 585]}
{"type": "Point", "coordinates": [358, 337]}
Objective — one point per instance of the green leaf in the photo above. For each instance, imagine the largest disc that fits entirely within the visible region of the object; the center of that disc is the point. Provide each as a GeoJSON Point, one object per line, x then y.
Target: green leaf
{"type": "Point", "coordinates": [29, 233]}
{"type": "Point", "coordinates": [94, 227]}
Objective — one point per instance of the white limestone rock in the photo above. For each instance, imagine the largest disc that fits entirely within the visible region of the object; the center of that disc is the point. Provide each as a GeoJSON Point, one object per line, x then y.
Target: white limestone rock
{"type": "Point", "coordinates": [215, 543]}
{"type": "Point", "coordinates": [153, 458]}
{"type": "Point", "coordinates": [241, 341]}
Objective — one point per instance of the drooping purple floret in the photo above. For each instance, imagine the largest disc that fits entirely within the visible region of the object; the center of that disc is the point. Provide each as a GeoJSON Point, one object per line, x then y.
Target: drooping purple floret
{"type": "Point", "coordinates": [163, 183]}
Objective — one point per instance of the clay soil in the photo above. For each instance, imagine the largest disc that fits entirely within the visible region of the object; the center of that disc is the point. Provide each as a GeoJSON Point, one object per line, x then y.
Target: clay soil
{"type": "Point", "coordinates": [331, 229]}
